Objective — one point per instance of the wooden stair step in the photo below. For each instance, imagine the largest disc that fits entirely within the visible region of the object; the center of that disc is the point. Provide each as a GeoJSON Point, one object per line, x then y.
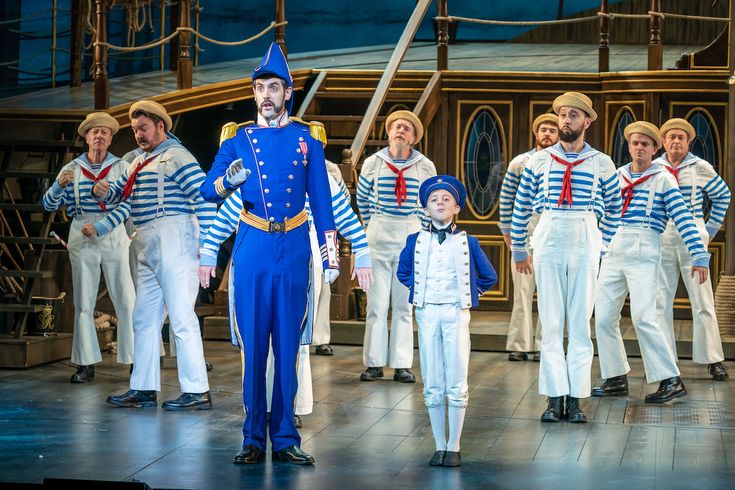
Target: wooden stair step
{"type": "Point", "coordinates": [24, 273]}
{"type": "Point", "coordinates": [8, 206]}
{"type": "Point", "coordinates": [33, 240]}
{"type": "Point", "coordinates": [20, 308]}
{"type": "Point", "coordinates": [30, 174]}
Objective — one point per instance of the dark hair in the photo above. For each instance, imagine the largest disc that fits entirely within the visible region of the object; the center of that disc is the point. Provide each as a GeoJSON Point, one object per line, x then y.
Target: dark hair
{"type": "Point", "coordinates": [139, 112]}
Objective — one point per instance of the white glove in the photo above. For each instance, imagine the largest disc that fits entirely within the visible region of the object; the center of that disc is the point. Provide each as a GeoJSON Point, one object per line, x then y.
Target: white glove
{"type": "Point", "coordinates": [330, 275]}
{"type": "Point", "coordinates": [236, 174]}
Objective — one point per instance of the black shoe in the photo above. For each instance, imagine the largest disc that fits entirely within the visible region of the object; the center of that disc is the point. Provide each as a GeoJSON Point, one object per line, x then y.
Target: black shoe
{"type": "Point", "coordinates": [437, 459]}
{"type": "Point", "coordinates": [403, 376]}
{"type": "Point", "coordinates": [189, 401]}
{"type": "Point", "coordinates": [249, 454]}
{"type": "Point", "coordinates": [324, 350]}
{"type": "Point", "coordinates": [554, 409]}
{"type": "Point", "coordinates": [452, 458]}
{"type": "Point", "coordinates": [208, 365]}
{"type": "Point", "coordinates": [84, 374]}
{"type": "Point", "coordinates": [536, 357]}
{"type": "Point", "coordinates": [130, 371]}
{"type": "Point", "coordinates": [517, 356]}
{"type": "Point", "coordinates": [668, 390]}
{"type": "Point", "coordinates": [718, 371]}
{"type": "Point", "coordinates": [293, 455]}
{"type": "Point", "coordinates": [297, 422]}
{"type": "Point", "coordinates": [574, 411]}
{"type": "Point", "coordinates": [134, 399]}
{"type": "Point", "coordinates": [615, 386]}
{"type": "Point", "coordinates": [371, 374]}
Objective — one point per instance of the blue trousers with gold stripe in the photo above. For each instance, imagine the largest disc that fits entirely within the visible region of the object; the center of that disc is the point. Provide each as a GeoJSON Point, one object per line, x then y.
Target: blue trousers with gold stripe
{"type": "Point", "coordinates": [271, 287]}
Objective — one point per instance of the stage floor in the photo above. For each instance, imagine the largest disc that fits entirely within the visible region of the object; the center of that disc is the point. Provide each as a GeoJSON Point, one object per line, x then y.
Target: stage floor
{"type": "Point", "coordinates": [368, 435]}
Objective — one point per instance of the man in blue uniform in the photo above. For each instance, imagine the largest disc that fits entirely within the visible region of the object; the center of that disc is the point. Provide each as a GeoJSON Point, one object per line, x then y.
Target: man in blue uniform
{"type": "Point", "coordinates": [274, 163]}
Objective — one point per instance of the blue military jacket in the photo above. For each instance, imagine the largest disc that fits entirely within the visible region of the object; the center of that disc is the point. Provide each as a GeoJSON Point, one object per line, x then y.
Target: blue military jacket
{"type": "Point", "coordinates": [286, 163]}
{"type": "Point", "coordinates": [475, 274]}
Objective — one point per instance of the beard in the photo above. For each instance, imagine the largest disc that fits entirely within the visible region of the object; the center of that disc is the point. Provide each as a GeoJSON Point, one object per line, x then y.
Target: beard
{"type": "Point", "coordinates": [545, 143]}
{"type": "Point", "coordinates": [569, 135]}
{"type": "Point", "coordinates": [272, 111]}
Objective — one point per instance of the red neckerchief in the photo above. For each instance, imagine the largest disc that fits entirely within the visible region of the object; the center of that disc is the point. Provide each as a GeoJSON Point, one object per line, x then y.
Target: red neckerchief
{"type": "Point", "coordinates": [96, 178]}
{"type": "Point", "coordinates": [673, 171]}
{"type": "Point", "coordinates": [627, 191]}
{"type": "Point", "coordinates": [566, 184]}
{"type": "Point", "coordinates": [128, 189]}
{"type": "Point", "coordinates": [400, 189]}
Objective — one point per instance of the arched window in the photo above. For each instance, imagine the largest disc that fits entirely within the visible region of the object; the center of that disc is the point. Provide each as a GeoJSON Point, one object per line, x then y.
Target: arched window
{"type": "Point", "coordinates": [619, 151]}
{"type": "Point", "coordinates": [484, 161]}
{"type": "Point", "coordinates": [704, 144]}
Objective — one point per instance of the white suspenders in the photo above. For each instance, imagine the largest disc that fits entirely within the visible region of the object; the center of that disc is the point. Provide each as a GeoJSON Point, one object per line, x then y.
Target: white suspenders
{"type": "Point", "coordinates": [159, 192]}
{"type": "Point", "coordinates": [77, 199]}
{"type": "Point", "coordinates": [595, 184]}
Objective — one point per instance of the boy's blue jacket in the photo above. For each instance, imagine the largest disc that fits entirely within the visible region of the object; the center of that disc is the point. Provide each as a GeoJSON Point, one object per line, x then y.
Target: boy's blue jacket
{"type": "Point", "coordinates": [475, 274]}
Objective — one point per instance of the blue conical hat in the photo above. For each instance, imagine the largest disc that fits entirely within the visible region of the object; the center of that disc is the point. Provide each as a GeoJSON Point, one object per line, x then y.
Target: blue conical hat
{"type": "Point", "coordinates": [274, 64]}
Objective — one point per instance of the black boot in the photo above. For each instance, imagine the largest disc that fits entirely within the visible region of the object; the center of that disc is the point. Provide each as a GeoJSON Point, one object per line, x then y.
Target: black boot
{"type": "Point", "coordinates": [615, 386]}
{"type": "Point", "coordinates": [293, 455]}
{"type": "Point", "coordinates": [249, 455]}
{"type": "Point", "coordinates": [574, 411]}
{"type": "Point", "coordinates": [371, 374]}
{"type": "Point", "coordinates": [189, 401]}
{"type": "Point", "coordinates": [134, 399]}
{"type": "Point", "coordinates": [403, 376]}
{"type": "Point", "coordinates": [297, 422]}
{"type": "Point", "coordinates": [668, 390]}
{"type": "Point", "coordinates": [324, 350]}
{"type": "Point", "coordinates": [84, 374]}
{"type": "Point", "coordinates": [718, 371]}
{"type": "Point", "coordinates": [554, 409]}
{"type": "Point", "coordinates": [517, 356]}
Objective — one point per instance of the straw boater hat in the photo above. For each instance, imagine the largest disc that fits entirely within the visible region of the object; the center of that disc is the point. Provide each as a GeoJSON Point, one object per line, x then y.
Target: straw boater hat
{"type": "Point", "coordinates": [576, 100]}
{"type": "Point", "coordinates": [678, 123]}
{"type": "Point", "coordinates": [154, 108]}
{"type": "Point", "coordinates": [645, 128]}
{"type": "Point", "coordinates": [97, 119]}
{"type": "Point", "coordinates": [545, 119]}
{"type": "Point", "coordinates": [408, 116]}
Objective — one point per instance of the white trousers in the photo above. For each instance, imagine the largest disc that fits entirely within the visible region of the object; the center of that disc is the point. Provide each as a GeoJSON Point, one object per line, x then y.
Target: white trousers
{"type": "Point", "coordinates": [304, 403]}
{"type": "Point", "coordinates": [386, 238]}
{"type": "Point", "coordinates": [675, 260]}
{"type": "Point", "coordinates": [168, 281]}
{"type": "Point", "coordinates": [567, 247]}
{"type": "Point", "coordinates": [444, 353]}
{"type": "Point", "coordinates": [521, 336]}
{"type": "Point", "coordinates": [87, 255]}
{"type": "Point", "coordinates": [322, 330]}
{"type": "Point", "coordinates": [631, 266]}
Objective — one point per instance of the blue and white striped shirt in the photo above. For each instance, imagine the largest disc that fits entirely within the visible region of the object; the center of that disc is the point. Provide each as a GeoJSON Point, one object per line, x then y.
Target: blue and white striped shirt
{"type": "Point", "coordinates": [707, 182]}
{"type": "Point", "coordinates": [536, 195]}
{"type": "Point", "coordinates": [182, 177]}
{"type": "Point", "coordinates": [345, 220]}
{"type": "Point", "coordinates": [509, 188]}
{"type": "Point", "coordinates": [58, 196]}
{"type": "Point", "coordinates": [376, 186]}
{"type": "Point", "coordinates": [667, 203]}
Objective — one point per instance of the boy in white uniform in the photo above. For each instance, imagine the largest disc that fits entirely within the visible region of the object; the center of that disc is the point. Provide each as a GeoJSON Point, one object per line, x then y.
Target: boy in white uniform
{"type": "Point", "coordinates": [446, 271]}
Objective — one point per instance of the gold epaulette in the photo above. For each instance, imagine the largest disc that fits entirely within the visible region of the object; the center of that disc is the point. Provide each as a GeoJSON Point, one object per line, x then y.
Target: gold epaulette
{"type": "Point", "coordinates": [316, 129]}
{"type": "Point", "coordinates": [229, 130]}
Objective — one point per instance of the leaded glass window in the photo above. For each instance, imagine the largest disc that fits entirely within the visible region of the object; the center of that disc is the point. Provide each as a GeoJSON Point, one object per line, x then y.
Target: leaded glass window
{"type": "Point", "coordinates": [620, 154]}
{"type": "Point", "coordinates": [484, 161]}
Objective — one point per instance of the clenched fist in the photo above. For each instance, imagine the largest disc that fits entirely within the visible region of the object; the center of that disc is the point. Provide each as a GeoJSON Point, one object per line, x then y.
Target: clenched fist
{"type": "Point", "coordinates": [101, 188]}
{"type": "Point", "coordinates": [65, 178]}
{"type": "Point", "coordinates": [89, 231]}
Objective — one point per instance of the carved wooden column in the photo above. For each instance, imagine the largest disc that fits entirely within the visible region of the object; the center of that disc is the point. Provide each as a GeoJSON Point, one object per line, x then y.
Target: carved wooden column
{"type": "Point", "coordinates": [183, 67]}
{"type": "Point", "coordinates": [442, 49]}
{"type": "Point", "coordinates": [342, 303]}
{"type": "Point", "coordinates": [603, 60]}
{"type": "Point", "coordinates": [655, 48]}
{"type": "Point", "coordinates": [281, 30]}
{"type": "Point", "coordinates": [101, 82]}
{"type": "Point", "coordinates": [78, 13]}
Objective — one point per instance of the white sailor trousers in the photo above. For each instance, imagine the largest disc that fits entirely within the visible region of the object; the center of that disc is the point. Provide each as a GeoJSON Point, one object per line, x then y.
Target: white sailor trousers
{"type": "Point", "coordinates": [168, 281]}
{"type": "Point", "coordinates": [87, 255]}
{"type": "Point", "coordinates": [675, 260]}
{"type": "Point", "coordinates": [321, 332]}
{"type": "Point", "coordinates": [520, 330]}
{"type": "Point", "coordinates": [567, 247]}
{"type": "Point", "coordinates": [631, 266]}
{"type": "Point", "coordinates": [444, 353]}
{"type": "Point", "coordinates": [386, 238]}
